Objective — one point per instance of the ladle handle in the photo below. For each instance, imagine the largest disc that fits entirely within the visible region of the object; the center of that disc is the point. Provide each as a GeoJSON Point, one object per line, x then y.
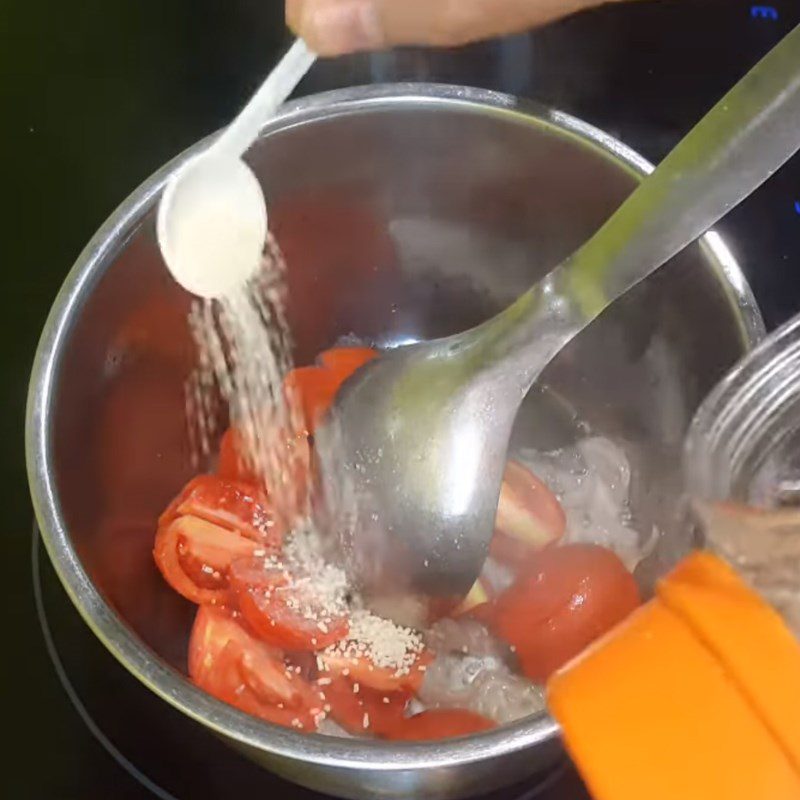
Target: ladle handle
{"type": "Point", "coordinates": [743, 140]}
{"type": "Point", "coordinates": [280, 83]}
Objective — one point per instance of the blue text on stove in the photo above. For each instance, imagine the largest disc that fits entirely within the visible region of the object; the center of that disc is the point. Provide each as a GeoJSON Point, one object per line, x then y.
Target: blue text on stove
{"type": "Point", "coordinates": [764, 12]}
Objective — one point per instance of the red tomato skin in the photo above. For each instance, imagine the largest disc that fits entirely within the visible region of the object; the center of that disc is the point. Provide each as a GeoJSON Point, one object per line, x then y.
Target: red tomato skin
{"type": "Point", "coordinates": [173, 566]}
{"type": "Point", "coordinates": [365, 711]}
{"type": "Point", "coordinates": [381, 679]}
{"type": "Point", "coordinates": [563, 600]}
{"type": "Point", "coordinates": [238, 506]}
{"type": "Point", "coordinates": [231, 464]}
{"type": "Point", "coordinates": [440, 723]}
{"type": "Point", "coordinates": [226, 660]}
{"type": "Point", "coordinates": [314, 389]}
{"type": "Point", "coordinates": [262, 596]}
{"type": "Point", "coordinates": [300, 719]}
{"type": "Point", "coordinates": [529, 517]}
{"type": "Point", "coordinates": [344, 361]}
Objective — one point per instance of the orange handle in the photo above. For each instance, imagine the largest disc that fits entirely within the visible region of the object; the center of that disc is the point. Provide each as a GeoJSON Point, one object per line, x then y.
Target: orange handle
{"type": "Point", "coordinates": [695, 697]}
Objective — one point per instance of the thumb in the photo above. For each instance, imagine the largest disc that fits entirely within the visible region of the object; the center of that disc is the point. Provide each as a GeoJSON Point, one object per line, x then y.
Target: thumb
{"type": "Point", "coordinates": [332, 27]}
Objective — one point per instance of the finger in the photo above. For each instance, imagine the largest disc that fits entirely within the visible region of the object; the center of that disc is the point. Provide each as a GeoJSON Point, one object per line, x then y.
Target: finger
{"type": "Point", "coordinates": [333, 27]}
{"type": "Point", "coordinates": [338, 26]}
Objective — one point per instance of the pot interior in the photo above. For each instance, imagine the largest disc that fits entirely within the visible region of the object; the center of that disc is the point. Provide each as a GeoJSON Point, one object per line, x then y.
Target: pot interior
{"type": "Point", "coordinates": [401, 217]}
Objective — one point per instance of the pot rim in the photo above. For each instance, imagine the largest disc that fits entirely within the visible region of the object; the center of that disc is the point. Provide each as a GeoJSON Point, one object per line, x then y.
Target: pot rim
{"type": "Point", "coordinates": [171, 685]}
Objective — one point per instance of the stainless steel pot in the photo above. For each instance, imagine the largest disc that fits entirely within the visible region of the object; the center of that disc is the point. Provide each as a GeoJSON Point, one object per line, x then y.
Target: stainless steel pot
{"type": "Point", "coordinates": [405, 212]}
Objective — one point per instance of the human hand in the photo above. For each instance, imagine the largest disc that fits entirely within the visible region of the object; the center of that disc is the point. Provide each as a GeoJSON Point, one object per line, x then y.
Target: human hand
{"type": "Point", "coordinates": [333, 27]}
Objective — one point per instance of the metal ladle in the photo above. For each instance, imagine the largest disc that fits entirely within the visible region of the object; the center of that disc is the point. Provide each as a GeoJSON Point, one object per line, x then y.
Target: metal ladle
{"type": "Point", "coordinates": [414, 453]}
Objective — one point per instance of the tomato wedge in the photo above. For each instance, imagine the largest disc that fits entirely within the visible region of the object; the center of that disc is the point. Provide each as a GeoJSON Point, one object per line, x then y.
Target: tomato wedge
{"type": "Point", "coordinates": [194, 556]}
{"type": "Point", "coordinates": [315, 388]}
{"type": "Point", "coordinates": [232, 464]}
{"type": "Point", "coordinates": [282, 613]}
{"type": "Point", "coordinates": [302, 719]}
{"type": "Point", "coordinates": [224, 657]}
{"type": "Point", "coordinates": [529, 516]}
{"type": "Point", "coordinates": [240, 507]}
{"type": "Point", "coordinates": [344, 361]}
{"type": "Point", "coordinates": [360, 709]}
{"type": "Point", "coordinates": [440, 723]}
{"type": "Point", "coordinates": [363, 671]}
{"type": "Point", "coordinates": [563, 599]}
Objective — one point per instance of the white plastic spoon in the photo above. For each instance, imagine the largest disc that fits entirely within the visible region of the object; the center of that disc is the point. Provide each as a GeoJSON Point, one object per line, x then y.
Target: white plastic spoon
{"type": "Point", "coordinates": [212, 218]}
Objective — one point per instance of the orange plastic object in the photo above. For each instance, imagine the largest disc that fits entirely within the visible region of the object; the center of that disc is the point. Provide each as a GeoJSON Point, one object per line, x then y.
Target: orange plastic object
{"type": "Point", "coordinates": [650, 712]}
{"type": "Point", "coordinates": [752, 641]}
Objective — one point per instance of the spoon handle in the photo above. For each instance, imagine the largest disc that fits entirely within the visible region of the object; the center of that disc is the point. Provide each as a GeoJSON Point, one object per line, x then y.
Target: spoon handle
{"type": "Point", "coordinates": [280, 83]}
{"type": "Point", "coordinates": [746, 137]}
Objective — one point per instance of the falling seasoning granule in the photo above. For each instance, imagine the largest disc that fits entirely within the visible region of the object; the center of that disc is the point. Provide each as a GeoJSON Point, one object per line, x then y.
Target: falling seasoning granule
{"type": "Point", "coordinates": [365, 722]}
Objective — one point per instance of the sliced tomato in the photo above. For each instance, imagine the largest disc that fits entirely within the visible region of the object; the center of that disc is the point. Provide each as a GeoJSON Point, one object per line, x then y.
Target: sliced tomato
{"type": "Point", "coordinates": [299, 718]}
{"type": "Point", "coordinates": [344, 361]}
{"type": "Point", "coordinates": [383, 679]}
{"type": "Point", "coordinates": [279, 613]}
{"type": "Point", "coordinates": [224, 657]}
{"type": "Point", "coordinates": [232, 464]}
{"type": "Point", "coordinates": [360, 709]}
{"type": "Point", "coordinates": [194, 557]}
{"type": "Point", "coordinates": [440, 723]}
{"type": "Point", "coordinates": [291, 489]}
{"type": "Point", "coordinates": [529, 516]}
{"type": "Point", "coordinates": [314, 389]}
{"type": "Point", "coordinates": [563, 599]}
{"type": "Point", "coordinates": [238, 506]}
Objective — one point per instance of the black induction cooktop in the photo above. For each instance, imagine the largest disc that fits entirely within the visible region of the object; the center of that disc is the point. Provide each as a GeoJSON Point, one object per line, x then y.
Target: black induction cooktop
{"type": "Point", "coordinates": [97, 96]}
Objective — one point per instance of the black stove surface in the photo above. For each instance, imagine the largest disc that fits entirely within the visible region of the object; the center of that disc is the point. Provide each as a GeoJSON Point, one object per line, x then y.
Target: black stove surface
{"type": "Point", "coordinates": [98, 95]}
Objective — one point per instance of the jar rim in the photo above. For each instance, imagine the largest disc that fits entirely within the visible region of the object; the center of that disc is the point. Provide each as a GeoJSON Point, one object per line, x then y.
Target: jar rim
{"type": "Point", "coordinates": [745, 417]}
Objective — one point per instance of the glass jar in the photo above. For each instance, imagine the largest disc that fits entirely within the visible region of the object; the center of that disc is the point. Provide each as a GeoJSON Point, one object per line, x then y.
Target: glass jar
{"type": "Point", "coordinates": [742, 468]}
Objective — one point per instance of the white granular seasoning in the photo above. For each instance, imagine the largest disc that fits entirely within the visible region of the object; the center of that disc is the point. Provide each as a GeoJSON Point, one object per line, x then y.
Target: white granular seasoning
{"type": "Point", "coordinates": [321, 592]}
{"type": "Point", "coordinates": [324, 584]}
{"type": "Point", "coordinates": [244, 349]}
{"type": "Point", "coordinates": [380, 640]}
